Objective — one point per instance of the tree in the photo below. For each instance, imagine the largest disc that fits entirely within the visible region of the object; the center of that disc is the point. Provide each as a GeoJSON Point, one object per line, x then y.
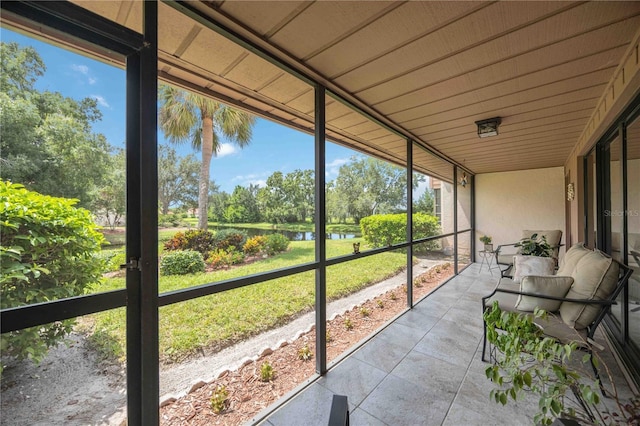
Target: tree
{"type": "Point", "coordinates": [177, 178]}
{"type": "Point", "coordinates": [299, 188]}
{"type": "Point", "coordinates": [20, 68]}
{"type": "Point", "coordinates": [188, 116]}
{"type": "Point", "coordinates": [217, 204]}
{"type": "Point", "coordinates": [110, 202]}
{"type": "Point", "coordinates": [242, 206]}
{"type": "Point", "coordinates": [368, 186]}
{"type": "Point", "coordinates": [336, 209]}
{"type": "Point", "coordinates": [425, 203]}
{"type": "Point", "coordinates": [79, 158]}
{"type": "Point", "coordinates": [47, 143]}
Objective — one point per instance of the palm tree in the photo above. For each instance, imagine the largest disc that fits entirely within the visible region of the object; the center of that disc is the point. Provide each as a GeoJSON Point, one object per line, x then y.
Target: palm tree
{"type": "Point", "coordinates": [188, 116]}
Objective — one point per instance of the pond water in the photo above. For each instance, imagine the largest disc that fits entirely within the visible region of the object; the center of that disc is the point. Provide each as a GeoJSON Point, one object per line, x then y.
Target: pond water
{"type": "Point", "coordinates": [291, 235]}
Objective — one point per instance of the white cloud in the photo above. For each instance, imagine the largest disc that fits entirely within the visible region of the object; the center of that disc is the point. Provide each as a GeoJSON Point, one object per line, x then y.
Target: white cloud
{"type": "Point", "coordinates": [245, 178]}
{"type": "Point", "coordinates": [332, 168]}
{"type": "Point", "coordinates": [82, 69]}
{"type": "Point", "coordinates": [92, 80]}
{"type": "Point", "coordinates": [101, 100]}
{"type": "Point", "coordinates": [226, 149]}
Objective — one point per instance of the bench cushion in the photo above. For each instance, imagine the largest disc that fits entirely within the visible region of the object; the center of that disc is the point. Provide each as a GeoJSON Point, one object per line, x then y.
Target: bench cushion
{"type": "Point", "coordinates": [546, 286]}
{"type": "Point", "coordinates": [571, 258]}
{"type": "Point", "coordinates": [594, 277]}
{"type": "Point", "coordinates": [554, 326]}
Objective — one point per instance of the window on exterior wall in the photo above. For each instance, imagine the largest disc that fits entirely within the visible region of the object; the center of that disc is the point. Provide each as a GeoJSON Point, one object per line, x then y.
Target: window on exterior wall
{"type": "Point", "coordinates": [437, 194]}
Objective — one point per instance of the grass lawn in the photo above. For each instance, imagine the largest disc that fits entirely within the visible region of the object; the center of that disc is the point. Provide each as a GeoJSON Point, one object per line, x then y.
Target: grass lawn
{"type": "Point", "coordinates": [222, 319]}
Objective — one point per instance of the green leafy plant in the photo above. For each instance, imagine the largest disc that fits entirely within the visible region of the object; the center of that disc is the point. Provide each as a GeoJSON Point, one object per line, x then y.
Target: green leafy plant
{"type": "Point", "coordinates": [182, 263]}
{"type": "Point", "coordinates": [393, 296]}
{"type": "Point", "coordinates": [304, 353]}
{"type": "Point", "coordinates": [226, 238]}
{"type": "Point", "coordinates": [388, 229]}
{"type": "Point", "coordinates": [266, 372]}
{"type": "Point", "coordinates": [329, 337]}
{"type": "Point", "coordinates": [194, 239]}
{"type": "Point", "coordinates": [380, 303]}
{"type": "Point", "coordinates": [276, 243]}
{"type": "Point", "coordinates": [534, 246]}
{"type": "Point", "coordinates": [485, 239]}
{"type": "Point", "coordinates": [254, 245]}
{"type": "Point", "coordinates": [48, 251]}
{"type": "Point", "coordinates": [220, 258]}
{"type": "Point", "coordinates": [529, 361]}
{"type": "Point", "coordinates": [364, 312]}
{"type": "Point", "coordinates": [219, 399]}
{"type": "Point", "coordinates": [112, 259]}
{"type": "Point", "coordinates": [348, 324]}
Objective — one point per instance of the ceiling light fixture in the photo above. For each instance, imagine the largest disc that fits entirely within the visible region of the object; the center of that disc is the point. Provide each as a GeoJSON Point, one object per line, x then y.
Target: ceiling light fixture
{"type": "Point", "coordinates": [488, 127]}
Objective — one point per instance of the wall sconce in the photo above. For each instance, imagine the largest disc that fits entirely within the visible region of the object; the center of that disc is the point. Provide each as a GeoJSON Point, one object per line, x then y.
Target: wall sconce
{"type": "Point", "coordinates": [463, 180]}
{"type": "Point", "coordinates": [488, 127]}
{"type": "Point", "coordinates": [570, 192]}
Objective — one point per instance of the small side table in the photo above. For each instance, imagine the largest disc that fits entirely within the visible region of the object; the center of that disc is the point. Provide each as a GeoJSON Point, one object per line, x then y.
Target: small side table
{"type": "Point", "coordinates": [488, 257]}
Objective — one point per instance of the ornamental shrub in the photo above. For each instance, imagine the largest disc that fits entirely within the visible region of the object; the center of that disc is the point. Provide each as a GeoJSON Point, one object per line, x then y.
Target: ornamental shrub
{"type": "Point", "coordinates": [199, 240]}
{"type": "Point", "coordinates": [48, 251]}
{"type": "Point", "coordinates": [220, 258]}
{"type": "Point", "coordinates": [276, 243]}
{"type": "Point", "coordinates": [226, 238]}
{"type": "Point", "coordinates": [182, 263]}
{"type": "Point", "coordinates": [254, 245]}
{"type": "Point", "coordinates": [388, 229]}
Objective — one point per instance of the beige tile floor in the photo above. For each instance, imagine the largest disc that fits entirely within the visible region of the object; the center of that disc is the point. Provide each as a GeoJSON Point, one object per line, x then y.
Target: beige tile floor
{"type": "Point", "coordinates": [425, 368]}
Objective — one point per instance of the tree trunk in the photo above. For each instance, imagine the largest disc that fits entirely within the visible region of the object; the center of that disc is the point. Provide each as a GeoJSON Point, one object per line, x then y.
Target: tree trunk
{"type": "Point", "coordinates": [203, 188]}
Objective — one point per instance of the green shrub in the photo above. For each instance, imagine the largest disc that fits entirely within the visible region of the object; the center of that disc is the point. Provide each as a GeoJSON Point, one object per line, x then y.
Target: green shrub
{"type": "Point", "coordinates": [276, 243]}
{"type": "Point", "coordinates": [112, 259]}
{"type": "Point", "coordinates": [388, 229]}
{"type": "Point", "coordinates": [254, 245]}
{"type": "Point", "coordinates": [219, 399]}
{"type": "Point", "coordinates": [194, 239]}
{"type": "Point", "coordinates": [266, 372]}
{"type": "Point", "coordinates": [47, 252]}
{"type": "Point", "coordinates": [222, 258]}
{"type": "Point", "coordinates": [226, 238]}
{"type": "Point", "coordinates": [182, 263]}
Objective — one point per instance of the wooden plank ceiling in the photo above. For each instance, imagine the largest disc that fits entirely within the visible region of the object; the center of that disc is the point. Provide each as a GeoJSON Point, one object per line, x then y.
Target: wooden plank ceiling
{"type": "Point", "coordinates": [428, 69]}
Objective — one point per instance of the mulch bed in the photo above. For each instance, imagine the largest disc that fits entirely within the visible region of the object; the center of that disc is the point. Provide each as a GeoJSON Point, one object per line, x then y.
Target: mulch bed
{"type": "Point", "coordinates": [248, 395]}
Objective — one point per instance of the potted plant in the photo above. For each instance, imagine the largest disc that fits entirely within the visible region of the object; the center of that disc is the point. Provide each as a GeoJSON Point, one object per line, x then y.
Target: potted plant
{"type": "Point", "coordinates": [534, 246]}
{"type": "Point", "coordinates": [486, 240]}
{"type": "Point", "coordinates": [529, 361]}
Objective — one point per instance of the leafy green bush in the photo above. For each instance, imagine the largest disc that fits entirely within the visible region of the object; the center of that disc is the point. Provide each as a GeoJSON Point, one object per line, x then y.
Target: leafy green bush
{"type": "Point", "coordinates": [194, 239]}
{"type": "Point", "coordinates": [388, 229]}
{"type": "Point", "coordinates": [112, 259]}
{"type": "Point", "coordinates": [221, 258]}
{"type": "Point", "coordinates": [47, 252]}
{"type": "Point", "coordinates": [254, 245]}
{"type": "Point", "coordinates": [182, 263]}
{"type": "Point", "coordinates": [226, 238]}
{"type": "Point", "coordinates": [276, 243]}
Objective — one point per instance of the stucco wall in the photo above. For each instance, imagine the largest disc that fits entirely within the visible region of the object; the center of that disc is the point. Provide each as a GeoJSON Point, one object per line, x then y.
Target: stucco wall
{"type": "Point", "coordinates": [508, 202]}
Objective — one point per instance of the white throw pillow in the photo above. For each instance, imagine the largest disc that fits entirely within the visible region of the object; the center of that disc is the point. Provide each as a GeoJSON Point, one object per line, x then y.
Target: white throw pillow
{"type": "Point", "coordinates": [532, 265]}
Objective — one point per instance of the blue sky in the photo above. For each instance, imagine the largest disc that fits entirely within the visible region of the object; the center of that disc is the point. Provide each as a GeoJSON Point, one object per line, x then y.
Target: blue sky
{"type": "Point", "coordinates": [273, 148]}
